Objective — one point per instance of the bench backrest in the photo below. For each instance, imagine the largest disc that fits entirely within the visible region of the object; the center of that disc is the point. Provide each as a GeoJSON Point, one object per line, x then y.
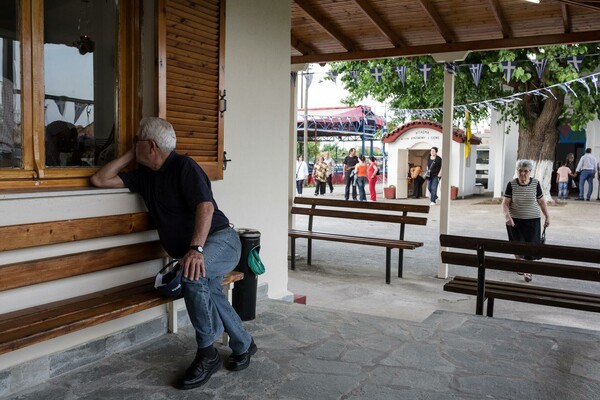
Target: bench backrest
{"type": "Point", "coordinates": [20, 274]}
{"type": "Point", "coordinates": [369, 211]}
{"type": "Point", "coordinates": [482, 248]}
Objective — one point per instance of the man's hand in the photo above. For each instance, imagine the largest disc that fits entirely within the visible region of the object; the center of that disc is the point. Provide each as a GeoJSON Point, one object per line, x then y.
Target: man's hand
{"type": "Point", "coordinates": [193, 265]}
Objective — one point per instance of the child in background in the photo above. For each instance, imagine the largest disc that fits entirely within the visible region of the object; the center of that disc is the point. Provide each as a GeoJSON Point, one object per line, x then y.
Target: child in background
{"type": "Point", "coordinates": [562, 178]}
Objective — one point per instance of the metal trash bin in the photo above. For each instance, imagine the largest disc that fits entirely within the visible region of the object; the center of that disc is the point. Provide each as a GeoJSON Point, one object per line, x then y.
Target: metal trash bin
{"type": "Point", "coordinates": [244, 291]}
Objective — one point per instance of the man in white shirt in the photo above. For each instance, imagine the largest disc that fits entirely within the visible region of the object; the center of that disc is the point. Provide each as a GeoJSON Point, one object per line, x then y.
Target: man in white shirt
{"type": "Point", "coordinates": [587, 171]}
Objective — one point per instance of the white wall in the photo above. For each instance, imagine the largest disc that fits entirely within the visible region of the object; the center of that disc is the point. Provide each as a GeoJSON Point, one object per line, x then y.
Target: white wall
{"type": "Point", "coordinates": [254, 191]}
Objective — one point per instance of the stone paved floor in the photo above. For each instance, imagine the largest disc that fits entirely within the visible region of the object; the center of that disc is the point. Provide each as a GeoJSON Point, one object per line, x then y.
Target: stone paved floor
{"type": "Point", "coordinates": [311, 353]}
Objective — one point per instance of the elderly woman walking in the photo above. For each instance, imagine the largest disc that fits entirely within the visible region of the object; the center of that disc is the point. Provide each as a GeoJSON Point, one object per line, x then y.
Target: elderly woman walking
{"type": "Point", "coordinates": [523, 200]}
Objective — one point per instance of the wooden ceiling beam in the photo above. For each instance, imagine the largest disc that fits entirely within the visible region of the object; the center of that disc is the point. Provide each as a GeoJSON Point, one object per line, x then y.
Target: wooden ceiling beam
{"type": "Point", "coordinates": [589, 4]}
{"type": "Point", "coordinates": [379, 23]}
{"type": "Point", "coordinates": [326, 25]}
{"type": "Point", "coordinates": [565, 18]}
{"type": "Point", "coordinates": [437, 20]}
{"type": "Point", "coordinates": [301, 47]}
{"type": "Point", "coordinates": [499, 16]}
{"type": "Point", "coordinates": [478, 45]}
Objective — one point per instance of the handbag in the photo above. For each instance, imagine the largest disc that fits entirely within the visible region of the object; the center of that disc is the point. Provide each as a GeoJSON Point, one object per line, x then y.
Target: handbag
{"type": "Point", "coordinates": [427, 174]}
{"type": "Point", "coordinates": [543, 238]}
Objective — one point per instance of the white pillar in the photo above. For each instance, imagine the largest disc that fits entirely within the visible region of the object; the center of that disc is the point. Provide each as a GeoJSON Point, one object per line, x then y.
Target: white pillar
{"type": "Point", "coordinates": [447, 126]}
{"type": "Point", "coordinates": [446, 146]}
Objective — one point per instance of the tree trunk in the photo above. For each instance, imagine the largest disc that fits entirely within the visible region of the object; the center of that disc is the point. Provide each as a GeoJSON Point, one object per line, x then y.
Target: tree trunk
{"type": "Point", "coordinates": [538, 137]}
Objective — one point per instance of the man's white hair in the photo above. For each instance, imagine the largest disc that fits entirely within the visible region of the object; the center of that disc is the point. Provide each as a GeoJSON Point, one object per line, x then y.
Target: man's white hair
{"type": "Point", "coordinates": [159, 131]}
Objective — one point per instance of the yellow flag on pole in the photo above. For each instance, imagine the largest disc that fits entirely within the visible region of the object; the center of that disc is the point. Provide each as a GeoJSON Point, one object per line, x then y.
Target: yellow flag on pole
{"type": "Point", "coordinates": [469, 134]}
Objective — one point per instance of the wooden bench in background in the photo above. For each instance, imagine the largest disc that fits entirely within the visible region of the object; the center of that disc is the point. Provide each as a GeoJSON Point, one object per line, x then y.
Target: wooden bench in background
{"type": "Point", "coordinates": [42, 322]}
{"type": "Point", "coordinates": [389, 212]}
{"type": "Point", "coordinates": [557, 261]}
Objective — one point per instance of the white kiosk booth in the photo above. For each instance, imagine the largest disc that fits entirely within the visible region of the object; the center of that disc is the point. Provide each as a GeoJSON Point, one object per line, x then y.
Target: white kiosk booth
{"type": "Point", "coordinates": [410, 144]}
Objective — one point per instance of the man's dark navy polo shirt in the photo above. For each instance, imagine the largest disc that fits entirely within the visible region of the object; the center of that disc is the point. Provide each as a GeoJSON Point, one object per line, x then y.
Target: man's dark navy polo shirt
{"type": "Point", "coordinates": [171, 195]}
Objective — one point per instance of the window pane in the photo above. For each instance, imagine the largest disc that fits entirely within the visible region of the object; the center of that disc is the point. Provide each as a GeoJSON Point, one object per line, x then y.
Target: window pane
{"type": "Point", "coordinates": [79, 79]}
{"type": "Point", "coordinates": [10, 86]}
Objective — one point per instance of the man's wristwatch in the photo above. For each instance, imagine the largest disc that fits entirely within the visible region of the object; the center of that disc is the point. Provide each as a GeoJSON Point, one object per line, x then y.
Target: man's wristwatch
{"type": "Point", "coordinates": [199, 249]}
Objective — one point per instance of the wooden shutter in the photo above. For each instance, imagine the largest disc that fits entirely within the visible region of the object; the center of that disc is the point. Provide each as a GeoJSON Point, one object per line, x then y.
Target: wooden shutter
{"type": "Point", "coordinates": [190, 57]}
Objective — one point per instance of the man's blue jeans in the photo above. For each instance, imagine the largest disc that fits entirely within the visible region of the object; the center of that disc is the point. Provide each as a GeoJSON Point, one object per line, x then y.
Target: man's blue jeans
{"type": "Point", "coordinates": [207, 305]}
{"type": "Point", "coordinates": [432, 186]}
{"type": "Point", "coordinates": [586, 175]}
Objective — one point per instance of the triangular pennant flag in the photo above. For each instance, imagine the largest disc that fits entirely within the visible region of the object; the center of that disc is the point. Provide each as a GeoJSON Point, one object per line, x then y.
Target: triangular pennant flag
{"type": "Point", "coordinates": [575, 61]}
{"type": "Point", "coordinates": [376, 73]}
{"type": "Point", "coordinates": [333, 75]}
{"type": "Point", "coordinates": [61, 106]}
{"type": "Point", "coordinates": [540, 66]}
{"type": "Point", "coordinates": [508, 67]}
{"type": "Point", "coordinates": [425, 71]}
{"type": "Point", "coordinates": [569, 87]}
{"type": "Point", "coordinates": [79, 107]}
{"type": "Point", "coordinates": [584, 83]}
{"type": "Point", "coordinates": [552, 94]}
{"type": "Point", "coordinates": [354, 75]}
{"type": "Point", "coordinates": [401, 71]}
{"type": "Point", "coordinates": [595, 82]}
{"type": "Point", "coordinates": [293, 77]}
{"type": "Point", "coordinates": [476, 72]}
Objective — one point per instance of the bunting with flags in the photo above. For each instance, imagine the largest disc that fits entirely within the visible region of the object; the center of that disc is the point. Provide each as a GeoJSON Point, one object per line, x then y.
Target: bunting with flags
{"type": "Point", "coordinates": [332, 75]}
{"type": "Point", "coordinates": [575, 61]}
{"type": "Point", "coordinates": [79, 107]}
{"type": "Point", "coordinates": [425, 71]}
{"type": "Point", "coordinates": [508, 67]}
{"type": "Point", "coordinates": [540, 66]}
{"type": "Point", "coordinates": [354, 75]}
{"type": "Point", "coordinates": [377, 73]}
{"type": "Point", "coordinates": [401, 71]}
{"type": "Point", "coordinates": [61, 106]}
{"type": "Point", "coordinates": [476, 70]}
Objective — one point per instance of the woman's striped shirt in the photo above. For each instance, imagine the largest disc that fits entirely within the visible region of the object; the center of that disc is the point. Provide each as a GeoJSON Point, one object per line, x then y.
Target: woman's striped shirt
{"type": "Point", "coordinates": [524, 198]}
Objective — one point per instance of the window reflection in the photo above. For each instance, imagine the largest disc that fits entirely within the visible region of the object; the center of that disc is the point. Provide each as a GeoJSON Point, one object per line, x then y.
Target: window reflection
{"type": "Point", "coordinates": [10, 86]}
{"type": "Point", "coordinates": [79, 80]}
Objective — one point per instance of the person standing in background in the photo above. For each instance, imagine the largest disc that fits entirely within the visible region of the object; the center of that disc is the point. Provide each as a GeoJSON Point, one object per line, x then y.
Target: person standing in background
{"type": "Point", "coordinates": [330, 170]}
{"type": "Point", "coordinates": [301, 173]}
{"type": "Point", "coordinates": [433, 173]}
{"type": "Point", "coordinates": [350, 162]}
{"type": "Point", "coordinates": [587, 170]}
{"type": "Point", "coordinates": [415, 174]}
{"type": "Point", "coordinates": [570, 163]}
{"type": "Point", "coordinates": [320, 176]}
{"type": "Point", "coordinates": [361, 177]}
{"type": "Point", "coordinates": [562, 178]}
{"type": "Point", "coordinates": [372, 175]}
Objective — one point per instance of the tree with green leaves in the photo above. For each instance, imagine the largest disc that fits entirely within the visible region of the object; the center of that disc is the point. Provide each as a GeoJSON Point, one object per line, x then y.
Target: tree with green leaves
{"type": "Point", "coordinates": [537, 114]}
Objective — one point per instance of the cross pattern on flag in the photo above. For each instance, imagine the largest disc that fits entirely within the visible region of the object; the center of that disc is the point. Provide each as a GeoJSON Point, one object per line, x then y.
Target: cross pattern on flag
{"type": "Point", "coordinates": [476, 70]}
{"type": "Point", "coordinates": [575, 61]}
{"type": "Point", "coordinates": [425, 70]}
{"type": "Point", "coordinates": [508, 67]}
{"type": "Point", "coordinates": [540, 66]}
{"type": "Point", "coordinates": [377, 73]}
{"type": "Point", "coordinates": [401, 71]}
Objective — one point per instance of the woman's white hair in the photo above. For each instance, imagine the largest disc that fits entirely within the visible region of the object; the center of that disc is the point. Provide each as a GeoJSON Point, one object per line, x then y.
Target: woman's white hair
{"type": "Point", "coordinates": [525, 164]}
{"type": "Point", "coordinates": [159, 131]}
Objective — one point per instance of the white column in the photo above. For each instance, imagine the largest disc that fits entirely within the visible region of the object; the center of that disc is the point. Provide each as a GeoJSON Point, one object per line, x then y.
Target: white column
{"type": "Point", "coordinates": [446, 151]}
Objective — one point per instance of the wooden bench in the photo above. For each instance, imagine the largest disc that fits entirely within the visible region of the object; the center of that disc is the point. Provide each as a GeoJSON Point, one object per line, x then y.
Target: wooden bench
{"type": "Point", "coordinates": [557, 261]}
{"type": "Point", "coordinates": [27, 326]}
{"type": "Point", "coordinates": [396, 213]}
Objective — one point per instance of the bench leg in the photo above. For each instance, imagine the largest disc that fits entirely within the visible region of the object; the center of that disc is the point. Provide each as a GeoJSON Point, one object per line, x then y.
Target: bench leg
{"type": "Point", "coordinates": [400, 262]}
{"type": "Point", "coordinates": [172, 316]}
{"type": "Point", "coordinates": [490, 307]}
{"type": "Point", "coordinates": [388, 265]}
{"type": "Point", "coordinates": [309, 255]}
{"type": "Point", "coordinates": [293, 250]}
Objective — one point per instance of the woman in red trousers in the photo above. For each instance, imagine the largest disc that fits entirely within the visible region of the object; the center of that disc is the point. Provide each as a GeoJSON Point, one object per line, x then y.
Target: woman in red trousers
{"type": "Point", "coordinates": [372, 175]}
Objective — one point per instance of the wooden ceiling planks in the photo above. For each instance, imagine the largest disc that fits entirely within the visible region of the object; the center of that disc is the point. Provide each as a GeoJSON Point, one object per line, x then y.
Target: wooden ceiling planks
{"type": "Point", "coordinates": [359, 29]}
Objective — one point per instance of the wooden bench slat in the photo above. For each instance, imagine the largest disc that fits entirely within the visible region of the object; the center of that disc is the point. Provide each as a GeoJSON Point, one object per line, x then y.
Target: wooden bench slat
{"type": "Point", "coordinates": [506, 247]}
{"type": "Point", "coordinates": [535, 267]}
{"type": "Point", "coordinates": [399, 219]}
{"type": "Point", "coordinates": [391, 243]}
{"type": "Point", "coordinates": [48, 269]}
{"type": "Point", "coordinates": [382, 206]}
{"type": "Point", "coordinates": [59, 318]}
{"type": "Point", "coordinates": [529, 294]}
{"type": "Point", "coordinates": [46, 233]}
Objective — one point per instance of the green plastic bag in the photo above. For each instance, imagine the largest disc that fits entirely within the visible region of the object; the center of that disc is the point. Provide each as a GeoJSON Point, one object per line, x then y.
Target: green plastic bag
{"type": "Point", "coordinates": [255, 263]}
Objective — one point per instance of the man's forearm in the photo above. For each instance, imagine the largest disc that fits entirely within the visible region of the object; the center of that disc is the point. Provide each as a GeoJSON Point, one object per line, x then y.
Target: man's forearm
{"type": "Point", "coordinates": [107, 175]}
{"type": "Point", "coordinates": [203, 220]}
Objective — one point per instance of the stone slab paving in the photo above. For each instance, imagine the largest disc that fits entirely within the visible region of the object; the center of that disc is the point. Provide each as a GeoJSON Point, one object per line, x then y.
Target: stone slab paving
{"type": "Point", "coordinates": [311, 353]}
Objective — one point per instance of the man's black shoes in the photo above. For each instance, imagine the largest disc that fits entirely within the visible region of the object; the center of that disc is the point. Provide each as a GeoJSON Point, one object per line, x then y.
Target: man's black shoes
{"type": "Point", "coordinates": [199, 372]}
{"type": "Point", "coordinates": [238, 362]}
